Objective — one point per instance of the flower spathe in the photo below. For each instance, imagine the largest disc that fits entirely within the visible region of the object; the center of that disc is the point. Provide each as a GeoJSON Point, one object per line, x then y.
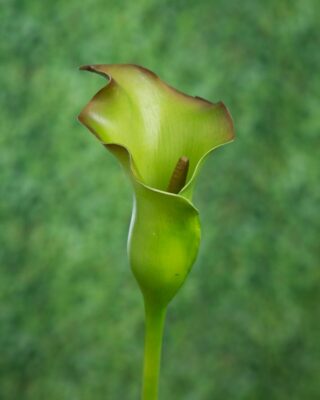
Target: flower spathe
{"type": "Point", "coordinates": [149, 126]}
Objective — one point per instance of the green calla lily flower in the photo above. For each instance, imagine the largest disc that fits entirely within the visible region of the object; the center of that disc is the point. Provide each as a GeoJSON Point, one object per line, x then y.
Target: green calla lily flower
{"type": "Point", "coordinates": [161, 137]}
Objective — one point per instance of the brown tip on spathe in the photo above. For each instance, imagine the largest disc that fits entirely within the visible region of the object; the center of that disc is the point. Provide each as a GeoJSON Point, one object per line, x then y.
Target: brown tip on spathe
{"type": "Point", "coordinates": [97, 69]}
{"type": "Point", "coordinates": [179, 175]}
{"type": "Point", "coordinates": [86, 68]}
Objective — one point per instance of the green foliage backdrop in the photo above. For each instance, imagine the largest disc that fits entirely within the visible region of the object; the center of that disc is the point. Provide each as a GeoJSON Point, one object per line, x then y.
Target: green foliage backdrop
{"type": "Point", "coordinates": [246, 325]}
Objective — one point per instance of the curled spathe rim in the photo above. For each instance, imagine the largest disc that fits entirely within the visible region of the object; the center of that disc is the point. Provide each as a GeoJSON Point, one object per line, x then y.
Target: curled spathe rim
{"type": "Point", "coordinates": [129, 163]}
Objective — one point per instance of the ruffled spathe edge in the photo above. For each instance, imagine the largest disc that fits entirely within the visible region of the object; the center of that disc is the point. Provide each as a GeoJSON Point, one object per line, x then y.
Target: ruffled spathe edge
{"type": "Point", "coordinates": [123, 153]}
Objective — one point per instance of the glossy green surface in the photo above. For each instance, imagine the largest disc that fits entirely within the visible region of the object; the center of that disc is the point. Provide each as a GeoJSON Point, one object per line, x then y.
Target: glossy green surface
{"type": "Point", "coordinates": [155, 122]}
{"type": "Point", "coordinates": [148, 126]}
{"type": "Point", "coordinates": [244, 326]}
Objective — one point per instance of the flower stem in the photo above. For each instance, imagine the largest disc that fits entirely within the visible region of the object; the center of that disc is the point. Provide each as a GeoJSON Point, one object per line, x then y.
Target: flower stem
{"type": "Point", "coordinates": [154, 325]}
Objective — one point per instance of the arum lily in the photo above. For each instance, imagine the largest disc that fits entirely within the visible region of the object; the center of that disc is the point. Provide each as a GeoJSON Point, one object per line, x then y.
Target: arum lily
{"type": "Point", "coordinates": [161, 137]}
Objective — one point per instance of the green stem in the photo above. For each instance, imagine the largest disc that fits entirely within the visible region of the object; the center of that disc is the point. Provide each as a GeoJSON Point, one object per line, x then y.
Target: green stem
{"type": "Point", "coordinates": [155, 318]}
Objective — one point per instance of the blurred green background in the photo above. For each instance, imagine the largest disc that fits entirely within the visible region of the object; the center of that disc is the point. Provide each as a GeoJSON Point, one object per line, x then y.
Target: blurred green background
{"type": "Point", "coordinates": [247, 323]}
